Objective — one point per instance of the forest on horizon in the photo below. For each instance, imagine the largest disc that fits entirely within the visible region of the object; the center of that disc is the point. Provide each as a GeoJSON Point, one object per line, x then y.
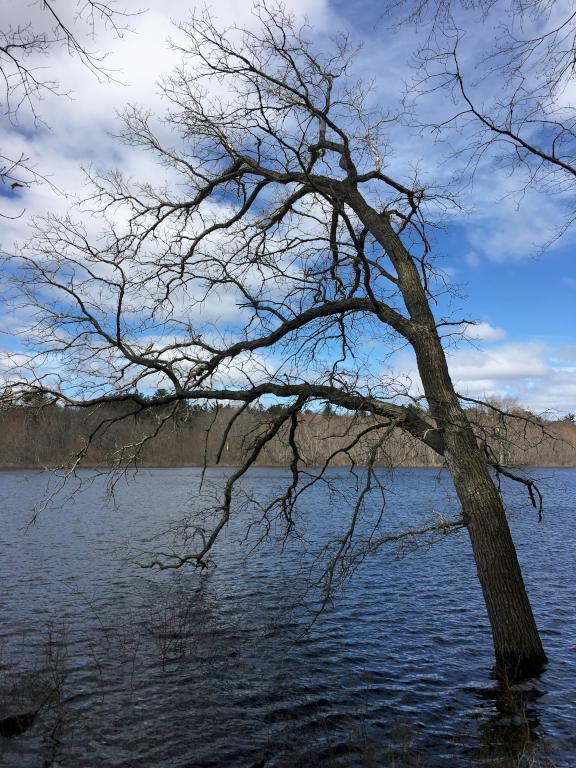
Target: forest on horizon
{"type": "Point", "coordinates": [44, 435]}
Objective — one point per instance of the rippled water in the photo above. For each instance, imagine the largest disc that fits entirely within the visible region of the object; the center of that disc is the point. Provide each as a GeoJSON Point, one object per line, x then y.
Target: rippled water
{"type": "Point", "coordinates": [141, 668]}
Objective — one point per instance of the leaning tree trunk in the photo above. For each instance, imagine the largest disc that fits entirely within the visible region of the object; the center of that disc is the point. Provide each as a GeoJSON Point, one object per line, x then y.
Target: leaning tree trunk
{"type": "Point", "coordinates": [517, 645]}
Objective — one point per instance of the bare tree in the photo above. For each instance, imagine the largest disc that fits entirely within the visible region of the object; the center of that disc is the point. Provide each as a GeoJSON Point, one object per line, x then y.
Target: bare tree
{"type": "Point", "coordinates": [277, 206]}
{"type": "Point", "coordinates": [23, 72]}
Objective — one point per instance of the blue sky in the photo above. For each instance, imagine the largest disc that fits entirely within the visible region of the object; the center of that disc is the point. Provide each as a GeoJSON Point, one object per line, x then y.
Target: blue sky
{"type": "Point", "coordinates": [532, 298]}
{"type": "Point", "coordinates": [525, 343]}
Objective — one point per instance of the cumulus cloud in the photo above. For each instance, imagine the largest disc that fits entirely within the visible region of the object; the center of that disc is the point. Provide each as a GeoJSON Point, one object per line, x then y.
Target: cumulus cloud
{"type": "Point", "coordinates": [77, 128]}
{"type": "Point", "coordinates": [541, 378]}
{"type": "Point", "coordinates": [483, 332]}
{"type": "Point", "coordinates": [505, 362]}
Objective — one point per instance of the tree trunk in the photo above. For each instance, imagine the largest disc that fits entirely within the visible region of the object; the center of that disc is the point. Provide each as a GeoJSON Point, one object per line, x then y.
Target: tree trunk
{"type": "Point", "coordinates": [517, 645]}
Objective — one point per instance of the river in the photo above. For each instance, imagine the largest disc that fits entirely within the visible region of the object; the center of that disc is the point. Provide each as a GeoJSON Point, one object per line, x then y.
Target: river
{"type": "Point", "coordinates": [139, 667]}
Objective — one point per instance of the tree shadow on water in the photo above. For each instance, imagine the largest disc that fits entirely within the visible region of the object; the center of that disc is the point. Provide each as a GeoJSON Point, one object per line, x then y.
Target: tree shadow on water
{"type": "Point", "coordinates": [511, 735]}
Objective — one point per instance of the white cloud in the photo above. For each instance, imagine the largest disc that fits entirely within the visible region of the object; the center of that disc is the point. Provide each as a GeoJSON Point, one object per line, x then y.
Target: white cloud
{"type": "Point", "coordinates": [542, 378]}
{"type": "Point", "coordinates": [78, 127]}
{"type": "Point", "coordinates": [507, 226]}
{"type": "Point", "coordinates": [508, 361]}
{"type": "Point", "coordinates": [483, 332]}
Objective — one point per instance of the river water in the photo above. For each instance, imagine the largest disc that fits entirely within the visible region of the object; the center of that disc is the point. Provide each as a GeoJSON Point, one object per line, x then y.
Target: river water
{"type": "Point", "coordinates": [137, 667]}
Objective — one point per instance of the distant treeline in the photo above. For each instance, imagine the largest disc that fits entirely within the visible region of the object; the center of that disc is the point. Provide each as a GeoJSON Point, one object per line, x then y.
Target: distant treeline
{"type": "Point", "coordinates": [36, 435]}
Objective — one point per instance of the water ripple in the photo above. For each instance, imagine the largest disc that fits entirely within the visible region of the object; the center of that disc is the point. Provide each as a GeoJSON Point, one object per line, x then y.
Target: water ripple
{"type": "Point", "coordinates": [177, 669]}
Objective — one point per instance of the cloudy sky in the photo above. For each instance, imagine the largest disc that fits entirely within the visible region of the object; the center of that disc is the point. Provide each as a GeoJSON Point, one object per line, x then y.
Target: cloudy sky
{"type": "Point", "coordinates": [523, 301]}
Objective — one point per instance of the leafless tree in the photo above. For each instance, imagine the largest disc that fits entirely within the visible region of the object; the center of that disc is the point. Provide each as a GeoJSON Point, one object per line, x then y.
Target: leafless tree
{"type": "Point", "coordinates": [24, 75]}
{"type": "Point", "coordinates": [277, 206]}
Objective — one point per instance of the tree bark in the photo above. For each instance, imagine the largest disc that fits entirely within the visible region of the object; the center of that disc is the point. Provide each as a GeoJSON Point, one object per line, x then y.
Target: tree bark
{"type": "Point", "coordinates": [517, 644]}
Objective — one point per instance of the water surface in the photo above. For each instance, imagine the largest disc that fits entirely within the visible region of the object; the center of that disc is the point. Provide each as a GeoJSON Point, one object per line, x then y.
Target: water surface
{"type": "Point", "coordinates": [177, 668]}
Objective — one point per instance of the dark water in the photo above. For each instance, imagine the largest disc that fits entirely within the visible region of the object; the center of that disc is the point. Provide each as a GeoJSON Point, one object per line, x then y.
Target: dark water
{"type": "Point", "coordinates": [133, 667]}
